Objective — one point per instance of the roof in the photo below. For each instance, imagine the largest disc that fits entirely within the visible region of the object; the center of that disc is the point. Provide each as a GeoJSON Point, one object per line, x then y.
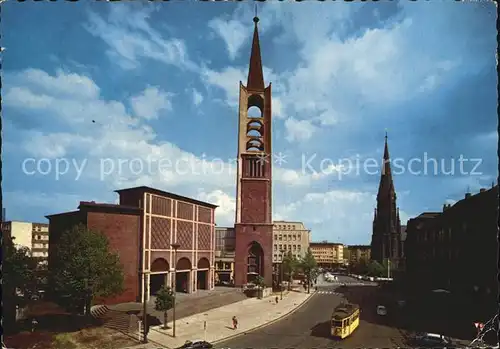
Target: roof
{"type": "Point", "coordinates": [361, 247]}
{"type": "Point", "coordinates": [113, 207]}
{"type": "Point", "coordinates": [13, 221]}
{"type": "Point", "coordinates": [326, 243]}
{"type": "Point", "coordinates": [167, 194]}
{"type": "Point", "coordinates": [344, 310]}
{"type": "Point", "coordinates": [61, 214]}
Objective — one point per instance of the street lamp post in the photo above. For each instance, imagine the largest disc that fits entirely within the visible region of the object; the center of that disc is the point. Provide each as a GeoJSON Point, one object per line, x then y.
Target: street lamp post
{"type": "Point", "coordinates": [281, 278]}
{"type": "Point", "coordinates": [175, 246]}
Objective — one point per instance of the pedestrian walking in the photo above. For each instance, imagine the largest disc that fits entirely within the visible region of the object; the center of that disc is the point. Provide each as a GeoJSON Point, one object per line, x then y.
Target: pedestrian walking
{"type": "Point", "coordinates": [34, 323]}
{"type": "Point", "coordinates": [276, 299]}
{"type": "Point", "coordinates": [235, 323]}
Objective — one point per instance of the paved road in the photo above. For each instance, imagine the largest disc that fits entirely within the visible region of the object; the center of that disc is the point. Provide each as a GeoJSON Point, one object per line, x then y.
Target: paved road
{"type": "Point", "coordinates": [309, 326]}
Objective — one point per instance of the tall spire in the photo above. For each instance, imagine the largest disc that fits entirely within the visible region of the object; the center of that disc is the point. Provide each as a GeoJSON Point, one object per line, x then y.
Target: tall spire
{"type": "Point", "coordinates": [386, 183]}
{"type": "Point", "coordinates": [255, 74]}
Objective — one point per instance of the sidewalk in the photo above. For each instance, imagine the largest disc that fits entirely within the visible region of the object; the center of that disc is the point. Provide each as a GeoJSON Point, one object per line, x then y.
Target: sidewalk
{"type": "Point", "coordinates": [251, 313]}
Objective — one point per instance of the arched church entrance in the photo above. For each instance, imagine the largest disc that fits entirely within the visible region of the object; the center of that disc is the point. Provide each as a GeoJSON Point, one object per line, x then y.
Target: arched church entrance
{"type": "Point", "coordinates": [202, 274]}
{"type": "Point", "coordinates": [255, 261]}
{"type": "Point", "coordinates": [158, 277]}
{"type": "Point", "coordinates": [183, 269]}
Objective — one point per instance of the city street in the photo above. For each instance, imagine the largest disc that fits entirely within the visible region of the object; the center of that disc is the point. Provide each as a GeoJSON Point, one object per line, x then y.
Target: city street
{"type": "Point", "coordinates": [309, 327]}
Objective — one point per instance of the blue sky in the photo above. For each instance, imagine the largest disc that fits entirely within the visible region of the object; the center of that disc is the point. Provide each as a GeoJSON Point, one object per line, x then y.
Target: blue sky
{"type": "Point", "coordinates": [101, 89]}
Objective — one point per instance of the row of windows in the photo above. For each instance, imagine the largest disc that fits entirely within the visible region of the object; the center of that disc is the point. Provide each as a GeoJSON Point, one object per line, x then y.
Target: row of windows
{"type": "Point", "coordinates": [43, 229]}
{"type": "Point", "coordinates": [40, 254]}
{"type": "Point", "coordinates": [279, 248]}
{"type": "Point", "coordinates": [223, 265]}
{"type": "Point", "coordinates": [285, 226]}
{"type": "Point", "coordinates": [439, 235]}
{"type": "Point", "coordinates": [279, 257]}
{"type": "Point", "coordinates": [42, 245]}
{"type": "Point", "coordinates": [41, 237]}
{"type": "Point", "coordinates": [287, 237]}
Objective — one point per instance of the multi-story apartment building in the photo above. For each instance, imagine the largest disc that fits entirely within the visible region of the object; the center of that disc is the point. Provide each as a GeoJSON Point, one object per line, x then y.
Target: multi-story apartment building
{"type": "Point", "coordinates": [442, 247]}
{"type": "Point", "coordinates": [354, 254]}
{"type": "Point", "coordinates": [290, 237]}
{"type": "Point", "coordinates": [225, 243]}
{"type": "Point", "coordinates": [34, 236]}
{"type": "Point", "coordinates": [328, 254]}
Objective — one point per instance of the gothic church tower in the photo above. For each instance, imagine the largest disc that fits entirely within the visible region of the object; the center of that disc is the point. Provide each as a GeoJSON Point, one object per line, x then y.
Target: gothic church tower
{"type": "Point", "coordinates": [386, 236]}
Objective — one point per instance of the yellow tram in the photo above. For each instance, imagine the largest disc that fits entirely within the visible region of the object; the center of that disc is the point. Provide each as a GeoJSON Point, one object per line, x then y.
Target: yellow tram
{"type": "Point", "coordinates": [345, 319]}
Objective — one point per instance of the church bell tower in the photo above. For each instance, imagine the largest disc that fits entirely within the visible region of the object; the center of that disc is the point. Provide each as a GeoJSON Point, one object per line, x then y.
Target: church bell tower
{"type": "Point", "coordinates": [253, 221]}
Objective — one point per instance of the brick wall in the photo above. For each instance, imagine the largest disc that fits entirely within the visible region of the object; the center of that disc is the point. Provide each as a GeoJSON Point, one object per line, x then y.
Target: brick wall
{"type": "Point", "coordinates": [131, 198]}
{"type": "Point", "coordinates": [245, 235]}
{"type": "Point", "coordinates": [122, 231]}
{"type": "Point", "coordinates": [254, 201]}
{"type": "Point", "coordinates": [57, 225]}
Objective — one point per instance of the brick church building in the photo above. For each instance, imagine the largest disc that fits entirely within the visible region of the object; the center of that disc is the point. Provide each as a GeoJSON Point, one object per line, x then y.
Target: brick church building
{"type": "Point", "coordinates": [386, 236]}
{"type": "Point", "coordinates": [253, 222]}
{"type": "Point", "coordinates": [143, 230]}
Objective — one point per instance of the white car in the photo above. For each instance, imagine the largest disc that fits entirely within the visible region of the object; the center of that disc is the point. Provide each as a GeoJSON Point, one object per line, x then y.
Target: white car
{"type": "Point", "coordinates": [381, 310]}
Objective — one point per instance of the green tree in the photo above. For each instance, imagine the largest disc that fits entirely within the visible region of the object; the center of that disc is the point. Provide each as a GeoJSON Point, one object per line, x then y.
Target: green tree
{"type": "Point", "coordinates": [309, 267]}
{"type": "Point", "coordinates": [375, 269]}
{"type": "Point", "coordinates": [259, 281]}
{"type": "Point", "coordinates": [164, 301]}
{"type": "Point", "coordinates": [361, 267]}
{"type": "Point", "coordinates": [290, 265]}
{"type": "Point", "coordinates": [19, 281]}
{"type": "Point", "coordinates": [84, 269]}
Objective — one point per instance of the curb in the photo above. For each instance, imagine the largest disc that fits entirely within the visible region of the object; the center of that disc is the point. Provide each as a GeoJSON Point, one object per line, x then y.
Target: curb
{"type": "Point", "coordinates": [281, 317]}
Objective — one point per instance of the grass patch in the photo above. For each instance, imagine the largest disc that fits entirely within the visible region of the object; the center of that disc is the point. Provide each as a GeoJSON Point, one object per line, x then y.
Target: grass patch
{"type": "Point", "coordinates": [64, 341]}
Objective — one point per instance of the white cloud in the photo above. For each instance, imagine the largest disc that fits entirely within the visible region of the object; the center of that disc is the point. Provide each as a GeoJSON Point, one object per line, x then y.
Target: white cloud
{"type": "Point", "coordinates": [298, 130]}
{"type": "Point", "coordinates": [226, 80]}
{"type": "Point", "coordinates": [225, 213]}
{"type": "Point", "coordinates": [150, 102]}
{"type": "Point", "coordinates": [197, 97]}
{"type": "Point", "coordinates": [118, 145]}
{"type": "Point", "coordinates": [334, 209]}
{"type": "Point", "coordinates": [233, 32]}
{"type": "Point", "coordinates": [130, 37]}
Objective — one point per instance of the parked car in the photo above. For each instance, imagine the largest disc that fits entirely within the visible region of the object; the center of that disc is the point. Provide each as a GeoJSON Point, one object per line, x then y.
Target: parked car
{"type": "Point", "coordinates": [432, 340]}
{"type": "Point", "coordinates": [196, 344]}
{"type": "Point", "coordinates": [381, 310]}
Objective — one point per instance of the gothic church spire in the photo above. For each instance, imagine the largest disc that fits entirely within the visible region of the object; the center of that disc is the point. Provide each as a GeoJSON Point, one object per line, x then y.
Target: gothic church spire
{"type": "Point", "coordinates": [386, 186]}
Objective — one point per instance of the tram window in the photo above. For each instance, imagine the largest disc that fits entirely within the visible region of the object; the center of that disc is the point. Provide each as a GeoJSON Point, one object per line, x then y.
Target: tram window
{"type": "Point", "coordinates": [337, 323]}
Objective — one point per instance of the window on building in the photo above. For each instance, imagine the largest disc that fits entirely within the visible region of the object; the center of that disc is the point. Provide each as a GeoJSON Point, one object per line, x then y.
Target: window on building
{"type": "Point", "coordinates": [275, 247]}
{"type": "Point", "coordinates": [281, 237]}
{"type": "Point", "coordinates": [298, 247]}
{"type": "Point", "coordinates": [295, 247]}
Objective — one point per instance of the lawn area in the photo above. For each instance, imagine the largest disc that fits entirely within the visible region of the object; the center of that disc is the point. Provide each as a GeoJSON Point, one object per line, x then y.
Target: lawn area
{"type": "Point", "coordinates": [64, 331]}
{"type": "Point", "coordinates": [87, 338]}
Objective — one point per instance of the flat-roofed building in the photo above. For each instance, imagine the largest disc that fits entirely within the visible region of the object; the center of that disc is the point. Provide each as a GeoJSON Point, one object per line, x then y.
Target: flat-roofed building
{"type": "Point", "coordinates": [328, 254]}
{"type": "Point", "coordinates": [32, 235]}
{"type": "Point", "coordinates": [225, 243]}
{"type": "Point", "coordinates": [142, 229]}
{"type": "Point", "coordinates": [357, 253]}
{"type": "Point", "coordinates": [290, 236]}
